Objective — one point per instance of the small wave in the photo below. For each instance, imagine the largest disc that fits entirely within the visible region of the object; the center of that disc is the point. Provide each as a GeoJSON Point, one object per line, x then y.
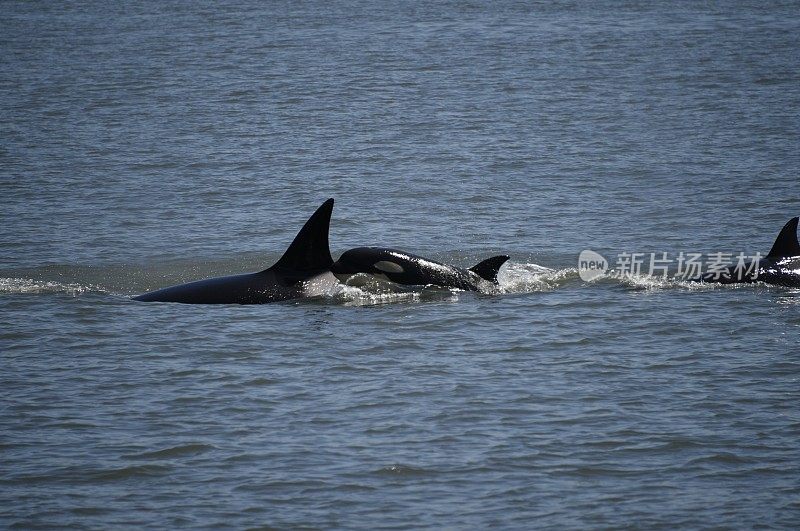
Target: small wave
{"type": "Point", "coordinates": [87, 475]}
{"type": "Point", "coordinates": [403, 470]}
{"type": "Point", "coordinates": [90, 511]}
{"type": "Point", "coordinates": [175, 451]}
{"type": "Point", "coordinates": [28, 285]}
{"type": "Point", "coordinates": [128, 472]}
{"type": "Point", "coordinates": [722, 458]}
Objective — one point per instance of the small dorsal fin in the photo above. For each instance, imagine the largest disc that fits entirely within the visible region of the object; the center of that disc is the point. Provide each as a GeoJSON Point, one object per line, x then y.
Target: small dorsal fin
{"type": "Point", "coordinates": [309, 252]}
{"type": "Point", "coordinates": [786, 243]}
{"type": "Point", "coordinates": [488, 269]}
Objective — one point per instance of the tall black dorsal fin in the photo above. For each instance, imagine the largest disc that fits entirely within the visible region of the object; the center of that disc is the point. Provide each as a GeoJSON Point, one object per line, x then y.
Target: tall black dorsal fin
{"type": "Point", "coordinates": [309, 252]}
{"type": "Point", "coordinates": [786, 243]}
{"type": "Point", "coordinates": [488, 269]}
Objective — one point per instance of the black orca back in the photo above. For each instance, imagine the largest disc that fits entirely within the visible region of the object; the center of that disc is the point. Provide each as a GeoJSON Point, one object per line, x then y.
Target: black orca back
{"type": "Point", "coordinates": [306, 257]}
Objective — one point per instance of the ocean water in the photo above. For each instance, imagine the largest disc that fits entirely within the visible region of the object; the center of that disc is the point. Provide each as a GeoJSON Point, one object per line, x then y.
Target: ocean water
{"type": "Point", "coordinates": [144, 144]}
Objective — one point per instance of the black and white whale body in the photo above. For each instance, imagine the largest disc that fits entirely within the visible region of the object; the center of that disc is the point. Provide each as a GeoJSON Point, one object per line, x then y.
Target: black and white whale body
{"type": "Point", "coordinates": [302, 271]}
{"type": "Point", "coordinates": [405, 268]}
{"type": "Point", "coordinates": [780, 267]}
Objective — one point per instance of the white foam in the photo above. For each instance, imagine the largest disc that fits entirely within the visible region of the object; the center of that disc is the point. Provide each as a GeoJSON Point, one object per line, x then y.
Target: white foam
{"type": "Point", "coordinates": [365, 290]}
{"type": "Point", "coordinates": [651, 283]}
{"type": "Point", "coordinates": [27, 285]}
{"type": "Point", "coordinates": [526, 278]}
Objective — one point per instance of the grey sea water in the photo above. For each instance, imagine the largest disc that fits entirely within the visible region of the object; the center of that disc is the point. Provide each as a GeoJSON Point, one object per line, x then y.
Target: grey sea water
{"type": "Point", "coordinates": [148, 143]}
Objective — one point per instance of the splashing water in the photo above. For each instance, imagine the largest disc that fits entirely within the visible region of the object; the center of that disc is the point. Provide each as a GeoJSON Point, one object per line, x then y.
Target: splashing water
{"type": "Point", "coordinates": [27, 285]}
{"type": "Point", "coordinates": [527, 278]}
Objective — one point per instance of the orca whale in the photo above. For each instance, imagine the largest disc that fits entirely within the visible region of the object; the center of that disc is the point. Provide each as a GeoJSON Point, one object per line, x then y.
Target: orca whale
{"type": "Point", "coordinates": [409, 269]}
{"type": "Point", "coordinates": [302, 271]}
{"type": "Point", "coordinates": [780, 267]}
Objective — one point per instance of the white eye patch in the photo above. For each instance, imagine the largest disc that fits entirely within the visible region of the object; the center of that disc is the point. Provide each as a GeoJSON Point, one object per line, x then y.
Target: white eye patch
{"type": "Point", "coordinates": [388, 267]}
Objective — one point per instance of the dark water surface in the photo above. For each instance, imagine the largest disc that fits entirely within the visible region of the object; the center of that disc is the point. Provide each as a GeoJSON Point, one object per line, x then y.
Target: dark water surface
{"type": "Point", "coordinates": [149, 143]}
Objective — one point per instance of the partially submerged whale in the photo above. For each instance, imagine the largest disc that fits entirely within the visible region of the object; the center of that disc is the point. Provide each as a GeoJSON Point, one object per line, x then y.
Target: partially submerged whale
{"type": "Point", "coordinates": [302, 271]}
{"type": "Point", "coordinates": [780, 267]}
{"type": "Point", "coordinates": [409, 269]}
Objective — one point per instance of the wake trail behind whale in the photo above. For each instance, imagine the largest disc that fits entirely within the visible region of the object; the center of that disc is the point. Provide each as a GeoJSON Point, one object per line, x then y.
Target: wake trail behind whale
{"type": "Point", "coordinates": [14, 285]}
